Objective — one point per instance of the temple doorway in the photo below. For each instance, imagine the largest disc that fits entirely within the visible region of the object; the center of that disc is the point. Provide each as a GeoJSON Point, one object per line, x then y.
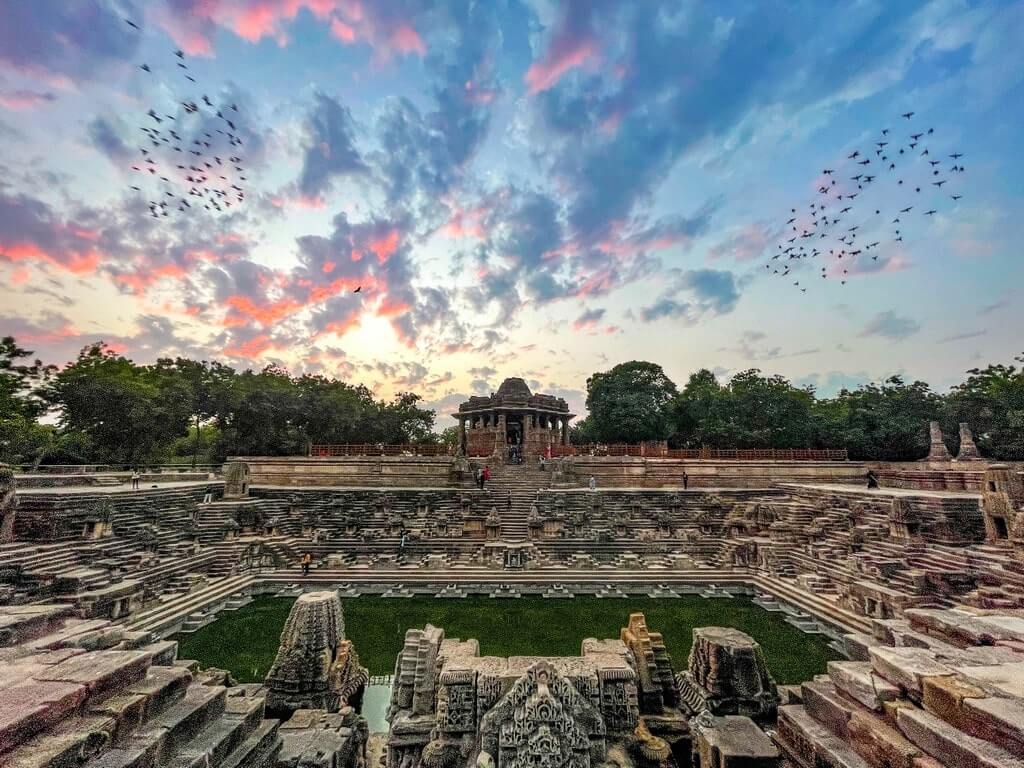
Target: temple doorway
{"type": "Point", "coordinates": [514, 437]}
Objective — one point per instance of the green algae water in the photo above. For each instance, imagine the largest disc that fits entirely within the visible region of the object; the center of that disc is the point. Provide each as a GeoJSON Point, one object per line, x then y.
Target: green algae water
{"type": "Point", "coordinates": [245, 641]}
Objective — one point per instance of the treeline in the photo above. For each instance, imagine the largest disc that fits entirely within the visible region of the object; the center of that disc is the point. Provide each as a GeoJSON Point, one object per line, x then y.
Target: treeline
{"type": "Point", "coordinates": [636, 401]}
{"type": "Point", "coordinates": [104, 408]}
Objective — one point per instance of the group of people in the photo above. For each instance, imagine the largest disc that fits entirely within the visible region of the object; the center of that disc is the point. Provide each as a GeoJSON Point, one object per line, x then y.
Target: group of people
{"type": "Point", "coordinates": [481, 476]}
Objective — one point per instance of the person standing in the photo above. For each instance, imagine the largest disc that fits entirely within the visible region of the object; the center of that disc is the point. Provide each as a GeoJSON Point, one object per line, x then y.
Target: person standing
{"type": "Point", "coordinates": [592, 483]}
{"type": "Point", "coordinates": [135, 479]}
{"type": "Point", "coordinates": [686, 480]}
{"type": "Point", "coordinates": [872, 479]}
{"type": "Point", "coordinates": [486, 477]}
{"type": "Point", "coordinates": [306, 560]}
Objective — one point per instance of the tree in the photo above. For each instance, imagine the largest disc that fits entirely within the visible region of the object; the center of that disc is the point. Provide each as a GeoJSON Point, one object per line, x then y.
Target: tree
{"type": "Point", "coordinates": [130, 414]}
{"type": "Point", "coordinates": [991, 401]}
{"type": "Point", "coordinates": [887, 421]}
{"type": "Point", "coordinates": [631, 403]}
{"type": "Point", "coordinates": [22, 438]}
{"type": "Point", "coordinates": [700, 413]}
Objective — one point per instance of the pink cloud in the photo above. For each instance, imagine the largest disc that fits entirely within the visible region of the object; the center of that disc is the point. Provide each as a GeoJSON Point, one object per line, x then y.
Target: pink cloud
{"type": "Point", "coordinates": [572, 45]}
{"type": "Point", "coordinates": [25, 99]}
{"type": "Point", "coordinates": [383, 247]}
{"type": "Point", "coordinates": [75, 261]}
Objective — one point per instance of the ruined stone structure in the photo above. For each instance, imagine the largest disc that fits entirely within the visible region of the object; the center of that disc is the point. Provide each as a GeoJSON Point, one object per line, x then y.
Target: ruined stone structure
{"type": "Point", "coordinates": [512, 417]}
{"type": "Point", "coordinates": [452, 707]}
{"type": "Point", "coordinates": [940, 545]}
{"type": "Point", "coordinates": [727, 675]}
{"type": "Point", "coordinates": [968, 450]}
{"type": "Point", "coordinates": [937, 450]}
{"type": "Point", "coordinates": [316, 667]}
{"type": "Point", "coordinates": [8, 503]}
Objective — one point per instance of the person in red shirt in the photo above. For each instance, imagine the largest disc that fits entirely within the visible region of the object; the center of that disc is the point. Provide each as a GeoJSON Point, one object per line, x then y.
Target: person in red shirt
{"type": "Point", "coordinates": [486, 476]}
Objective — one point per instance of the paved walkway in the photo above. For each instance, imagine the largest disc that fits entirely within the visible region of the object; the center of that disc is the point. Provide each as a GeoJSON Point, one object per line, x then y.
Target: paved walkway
{"type": "Point", "coordinates": [111, 489]}
{"type": "Point", "coordinates": [890, 492]}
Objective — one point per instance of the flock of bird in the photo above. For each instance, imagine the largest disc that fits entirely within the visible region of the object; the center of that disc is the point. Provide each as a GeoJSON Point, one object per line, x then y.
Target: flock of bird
{"type": "Point", "coordinates": [866, 205]}
{"type": "Point", "coordinates": [192, 159]}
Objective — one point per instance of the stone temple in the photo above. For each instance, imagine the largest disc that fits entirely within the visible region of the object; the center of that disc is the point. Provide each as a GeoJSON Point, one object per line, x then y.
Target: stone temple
{"type": "Point", "coordinates": [920, 583]}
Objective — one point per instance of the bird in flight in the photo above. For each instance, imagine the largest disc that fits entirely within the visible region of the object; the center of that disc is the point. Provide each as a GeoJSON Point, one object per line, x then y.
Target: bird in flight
{"type": "Point", "coordinates": [931, 212]}
{"type": "Point", "coordinates": [908, 115]}
{"type": "Point", "coordinates": [957, 155]}
{"type": "Point", "coordinates": [131, 24]}
{"type": "Point", "coordinates": [145, 68]}
{"type": "Point", "coordinates": [357, 290]}
{"type": "Point", "coordinates": [956, 197]}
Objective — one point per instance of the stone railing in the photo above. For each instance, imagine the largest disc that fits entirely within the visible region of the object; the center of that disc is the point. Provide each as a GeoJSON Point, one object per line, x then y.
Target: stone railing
{"type": "Point", "coordinates": [731, 454]}
{"type": "Point", "coordinates": [377, 449]}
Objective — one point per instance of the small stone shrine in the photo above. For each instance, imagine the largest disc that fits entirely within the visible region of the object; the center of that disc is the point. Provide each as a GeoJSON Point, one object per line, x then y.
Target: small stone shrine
{"type": "Point", "coordinates": [316, 667]}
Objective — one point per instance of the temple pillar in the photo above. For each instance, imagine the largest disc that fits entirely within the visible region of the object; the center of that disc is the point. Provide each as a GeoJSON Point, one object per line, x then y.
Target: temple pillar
{"type": "Point", "coordinates": [968, 450]}
{"type": "Point", "coordinates": [499, 435]}
{"type": "Point", "coordinates": [462, 436]}
{"type": "Point", "coordinates": [565, 431]}
{"type": "Point", "coordinates": [937, 450]}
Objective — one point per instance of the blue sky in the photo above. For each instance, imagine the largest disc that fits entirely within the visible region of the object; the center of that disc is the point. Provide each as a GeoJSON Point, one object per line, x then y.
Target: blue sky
{"type": "Point", "coordinates": [521, 187]}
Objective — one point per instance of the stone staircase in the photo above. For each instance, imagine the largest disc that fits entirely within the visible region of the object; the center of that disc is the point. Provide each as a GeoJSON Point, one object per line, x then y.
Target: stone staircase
{"type": "Point", "coordinates": [914, 694]}
{"type": "Point", "coordinates": [126, 702]}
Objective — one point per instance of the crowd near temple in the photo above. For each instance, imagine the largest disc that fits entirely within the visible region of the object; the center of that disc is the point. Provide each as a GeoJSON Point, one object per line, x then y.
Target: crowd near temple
{"type": "Point", "coordinates": [916, 581]}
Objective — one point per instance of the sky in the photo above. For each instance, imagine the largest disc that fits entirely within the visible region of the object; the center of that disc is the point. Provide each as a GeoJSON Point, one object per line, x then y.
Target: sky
{"type": "Point", "coordinates": [518, 187]}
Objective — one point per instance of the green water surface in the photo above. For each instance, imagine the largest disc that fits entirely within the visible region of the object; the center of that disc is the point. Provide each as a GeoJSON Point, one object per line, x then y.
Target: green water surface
{"type": "Point", "coordinates": [245, 641]}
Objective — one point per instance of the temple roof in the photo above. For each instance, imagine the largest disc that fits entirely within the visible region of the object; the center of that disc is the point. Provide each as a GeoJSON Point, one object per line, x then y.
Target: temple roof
{"type": "Point", "coordinates": [515, 394]}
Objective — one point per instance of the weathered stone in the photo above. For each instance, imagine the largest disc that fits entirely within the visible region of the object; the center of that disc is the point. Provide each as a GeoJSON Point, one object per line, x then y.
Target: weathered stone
{"type": "Point", "coordinates": [858, 680]}
{"type": "Point", "coordinates": [315, 667]}
{"type": "Point", "coordinates": [8, 503]}
{"type": "Point", "coordinates": [968, 450]}
{"type": "Point", "coordinates": [949, 745]}
{"type": "Point", "coordinates": [727, 674]}
{"type": "Point", "coordinates": [906, 667]}
{"type": "Point", "coordinates": [731, 741]}
{"type": "Point", "coordinates": [937, 450]}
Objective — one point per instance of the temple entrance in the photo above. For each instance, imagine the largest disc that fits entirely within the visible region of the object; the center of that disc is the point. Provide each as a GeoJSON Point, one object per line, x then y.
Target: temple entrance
{"type": "Point", "coordinates": [514, 438]}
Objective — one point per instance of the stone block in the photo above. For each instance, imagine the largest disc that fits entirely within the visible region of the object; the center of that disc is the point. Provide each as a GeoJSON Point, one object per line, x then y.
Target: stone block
{"type": "Point", "coordinates": [879, 743]}
{"type": "Point", "coordinates": [68, 743]}
{"type": "Point", "coordinates": [971, 709]}
{"type": "Point", "coordinates": [859, 681]}
{"type": "Point", "coordinates": [856, 645]}
{"type": "Point", "coordinates": [813, 744]}
{"type": "Point", "coordinates": [732, 741]}
{"type": "Point", "coordinates": [951, 746]}
{"type": "Point", "coordinates": [30, 707]}
{"type": "Point", "coordinates": [100, 671]}
{"type": "Point", "coordinates": [906, 667]}
{"type": "Point", "coordinates": [824, 704]}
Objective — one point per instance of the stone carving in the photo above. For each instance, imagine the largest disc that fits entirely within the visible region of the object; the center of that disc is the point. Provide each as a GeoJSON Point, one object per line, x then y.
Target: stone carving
{"type": "Point", "coordinates": [1003, 504]}
{"type": "Point", "coordinates": [236, 480]}
{"type": "Point", "coordinates": [315, 667]}
{"type": "Point", "coordinates": [8, 503]}
{"type": "Point", "coordinates": [904, 520]}
{"type": "Point", "coordinates": [937, 451]}
{"type": "Point", "coordinates": [543, 721]}
{"type": "Point", "coordinates": [968, 450]}
{"type": "Point", "coordinates": [657, 687]}
{"type": "Point", "coordinates": [727, 675]}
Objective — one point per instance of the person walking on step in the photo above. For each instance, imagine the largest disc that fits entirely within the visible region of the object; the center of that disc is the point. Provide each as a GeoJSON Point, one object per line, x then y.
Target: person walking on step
{"type": "Point", "coordinates": [135, 479]}
{"type": "Point", "coordinates": [208, 496]}
{"type": "Point", "coordinates": [478, 478]}
{"type": "Point", "coordinates": [509, 501]}
{"type": "Point", "coordinates": [486, 477]}
{"type": "Point", "coordinates": [872, 479]}
{"type": "Point", "coordinates": [686, 480]}
{"type": "Point", "coordinates": [307, 559]}
{"type": "Point", "coordinates": [592, 483]}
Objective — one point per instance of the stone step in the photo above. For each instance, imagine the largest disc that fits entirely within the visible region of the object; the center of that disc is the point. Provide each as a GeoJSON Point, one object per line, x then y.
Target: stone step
{"type": "Point", "coordinates": [213, 744]}
{"type": "Point", "coordinates": [159, 689]}
{"type": "Point", "coordinates": [160, 737]}
{"type": "Point", "coordinates": [798, 730]}
{"type": "Point", "coordinates": [99, 671]}
{"type": "Point", "coordinates": [258, 750]}
{"type": "Point", "coordinates": [859, 681]}
{"type": "Point", "coordinates": [68, 743]}
{"type": "Point", "coordinates": [951, 746]}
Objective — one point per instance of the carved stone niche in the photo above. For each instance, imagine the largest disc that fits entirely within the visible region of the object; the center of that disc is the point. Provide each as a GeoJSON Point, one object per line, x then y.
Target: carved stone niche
{"type": "Point", "coordinates": [1002, 503]}
{"type": "Point", "coordinates": [98, 522]}
{"type": "Point", "coordinates": [543, 721]}
{"type": "Point", "coordinates": [904, 520]}
{"type": "Point", "coordinates": [236, 480]}
{"type": "Point", "coordinates": [727, 675]}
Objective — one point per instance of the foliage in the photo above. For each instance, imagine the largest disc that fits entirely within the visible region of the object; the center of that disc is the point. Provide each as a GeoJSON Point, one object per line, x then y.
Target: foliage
{"type": "Point", "coordinates": [991, 400]}
{"type": "Point", "coordinates": [630, 403]}
{"type": "Point", "coordinates": [111, 410]}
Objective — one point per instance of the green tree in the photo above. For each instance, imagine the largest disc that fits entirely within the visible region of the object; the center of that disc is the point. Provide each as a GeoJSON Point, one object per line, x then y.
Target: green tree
{"type": "Point", "coordinates": [630, 403]}
{"type": "Point", "coordinates": [991, 401]}
{"type": "Point", "coordinates": [888, 421]}
{"type": "Point", "coordinates": [130, 414]}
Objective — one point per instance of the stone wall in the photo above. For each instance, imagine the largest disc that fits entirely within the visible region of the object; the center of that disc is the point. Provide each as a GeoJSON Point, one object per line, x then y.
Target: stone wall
{"type": "Point", "coordinates": [357, 471]}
